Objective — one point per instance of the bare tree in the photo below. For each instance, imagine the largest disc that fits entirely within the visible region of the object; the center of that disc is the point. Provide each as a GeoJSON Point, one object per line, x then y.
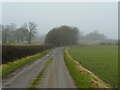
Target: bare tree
{"type": "Point", "coordinates": [12, 34]}
{"type": "Point", "coordinates": [32, 31]}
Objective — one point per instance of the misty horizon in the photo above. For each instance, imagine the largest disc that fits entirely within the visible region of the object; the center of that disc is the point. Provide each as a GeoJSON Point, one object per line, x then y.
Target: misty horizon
{"type": "Point", "coordinates": [87, 17]}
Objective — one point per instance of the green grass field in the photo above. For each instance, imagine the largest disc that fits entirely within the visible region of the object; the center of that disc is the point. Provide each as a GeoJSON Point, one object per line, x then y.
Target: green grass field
{"type": "Point", "coordinates": [101, 60]}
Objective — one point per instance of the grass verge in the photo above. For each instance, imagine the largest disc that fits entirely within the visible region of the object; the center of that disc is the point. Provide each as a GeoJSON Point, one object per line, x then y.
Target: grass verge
{"type": "Point", "coordinates": [82, 77]}
{"type": "Point", "coordinates": [37, 79]}
{"type": "Point", "coordinates": [12, 66]}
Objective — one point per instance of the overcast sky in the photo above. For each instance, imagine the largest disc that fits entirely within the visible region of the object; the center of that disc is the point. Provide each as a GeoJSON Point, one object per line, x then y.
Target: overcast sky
{"type": "Point", "coordinates": [87, 16]}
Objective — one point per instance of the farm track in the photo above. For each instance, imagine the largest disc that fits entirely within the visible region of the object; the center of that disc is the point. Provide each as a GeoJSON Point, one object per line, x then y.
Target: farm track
{"type": "Point", "coordinates": [55, 76]}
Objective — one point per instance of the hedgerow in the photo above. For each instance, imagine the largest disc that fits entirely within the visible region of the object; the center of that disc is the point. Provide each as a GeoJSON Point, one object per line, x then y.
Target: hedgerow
{"type": "Point", "coordinates": [11, 53]}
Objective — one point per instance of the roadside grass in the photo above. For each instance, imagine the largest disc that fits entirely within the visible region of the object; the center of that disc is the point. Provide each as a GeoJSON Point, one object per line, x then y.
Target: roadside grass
{"type": "Point", "coordinates": [37, 79]}
{"type": "Point", "coordinates": [101, 60]}
{"type": "Point", "coordinates": [82, 77]}
{"type": "Point", "coordinates": [12, 66]}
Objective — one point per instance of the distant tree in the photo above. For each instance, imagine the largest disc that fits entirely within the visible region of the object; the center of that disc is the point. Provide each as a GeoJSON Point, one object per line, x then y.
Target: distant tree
{"type": "Point", "coordinates": [1, 33]}
{"type": "Point", "coordinates": [21, 34]}
{"type": "Point", "coordinates": [95, 36]}
{"type": "Point", "coordinates": [39, 38]}
{"type": "Point", "coordinates": [12, 34]}
{"type": "Point", "coordinates": [8, 33]}
{"type": "Point", "coordinates": [5, 34]}
{"type": "Point", "coordinates": [81, 36]}
{"type": "Point", "coordinates": [63, 35]}
{"type": "Point", "coordinates": [12, 28]}
{"type": "Point", "coordinates": [32, 31]}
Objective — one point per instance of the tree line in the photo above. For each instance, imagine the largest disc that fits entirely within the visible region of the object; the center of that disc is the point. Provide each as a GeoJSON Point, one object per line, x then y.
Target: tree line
{"type": "Point", "coordinates": [59, 36]}
{"type": "Point", "coordinates": [66, 35]}
{"type": "Point", "coordinates": [95, 35]}
{"type": "Point", "coordinates": [13, 34]}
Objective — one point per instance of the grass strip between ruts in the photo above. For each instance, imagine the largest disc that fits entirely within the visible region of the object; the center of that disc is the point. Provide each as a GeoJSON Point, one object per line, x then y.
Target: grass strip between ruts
{"type": "Point", "coordinates": [37, 79]}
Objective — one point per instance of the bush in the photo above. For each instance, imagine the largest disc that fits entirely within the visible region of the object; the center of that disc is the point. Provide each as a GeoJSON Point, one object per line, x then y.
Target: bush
{"type": "Point", "coordinates": [11, 53]}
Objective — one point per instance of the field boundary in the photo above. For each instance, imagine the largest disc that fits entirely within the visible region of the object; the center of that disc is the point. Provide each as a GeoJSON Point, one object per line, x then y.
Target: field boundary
{"type": "Point", "coordinates": [94, 80]}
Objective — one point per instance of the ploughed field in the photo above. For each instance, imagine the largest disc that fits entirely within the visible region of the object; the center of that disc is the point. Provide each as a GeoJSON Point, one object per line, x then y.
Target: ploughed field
{"type": "Point", "coordinates": [101, 60]}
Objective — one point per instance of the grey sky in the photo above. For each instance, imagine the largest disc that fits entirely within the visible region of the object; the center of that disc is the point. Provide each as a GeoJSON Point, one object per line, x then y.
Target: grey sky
{"type": "Point", "coordinates": [87, 16]}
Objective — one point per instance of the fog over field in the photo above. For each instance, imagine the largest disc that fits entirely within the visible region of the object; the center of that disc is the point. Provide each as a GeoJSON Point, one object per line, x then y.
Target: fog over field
{"type": "Point", "coordinates": [87, 16]}
{"type": "Point", "coordinates": [59, 44]}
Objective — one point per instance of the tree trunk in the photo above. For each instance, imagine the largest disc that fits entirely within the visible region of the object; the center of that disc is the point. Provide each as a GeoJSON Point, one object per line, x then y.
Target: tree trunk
{"type": "Point", "coordinates": [5, 39]}
{"type": "Point", "coordinates": [29, 41]}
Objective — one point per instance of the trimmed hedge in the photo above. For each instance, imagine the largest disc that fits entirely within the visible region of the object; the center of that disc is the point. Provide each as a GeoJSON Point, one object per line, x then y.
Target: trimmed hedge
{"type": "Point", "coordinates": [11, 53]}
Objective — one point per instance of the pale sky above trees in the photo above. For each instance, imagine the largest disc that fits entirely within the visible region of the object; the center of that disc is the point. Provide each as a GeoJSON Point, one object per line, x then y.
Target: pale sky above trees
{"type": "Point", "coordinates": [87, 16]}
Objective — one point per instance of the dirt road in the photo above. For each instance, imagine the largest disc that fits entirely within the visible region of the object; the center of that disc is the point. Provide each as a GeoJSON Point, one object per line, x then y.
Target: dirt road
{"type": "Point", "coordinates": [55, 76]}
